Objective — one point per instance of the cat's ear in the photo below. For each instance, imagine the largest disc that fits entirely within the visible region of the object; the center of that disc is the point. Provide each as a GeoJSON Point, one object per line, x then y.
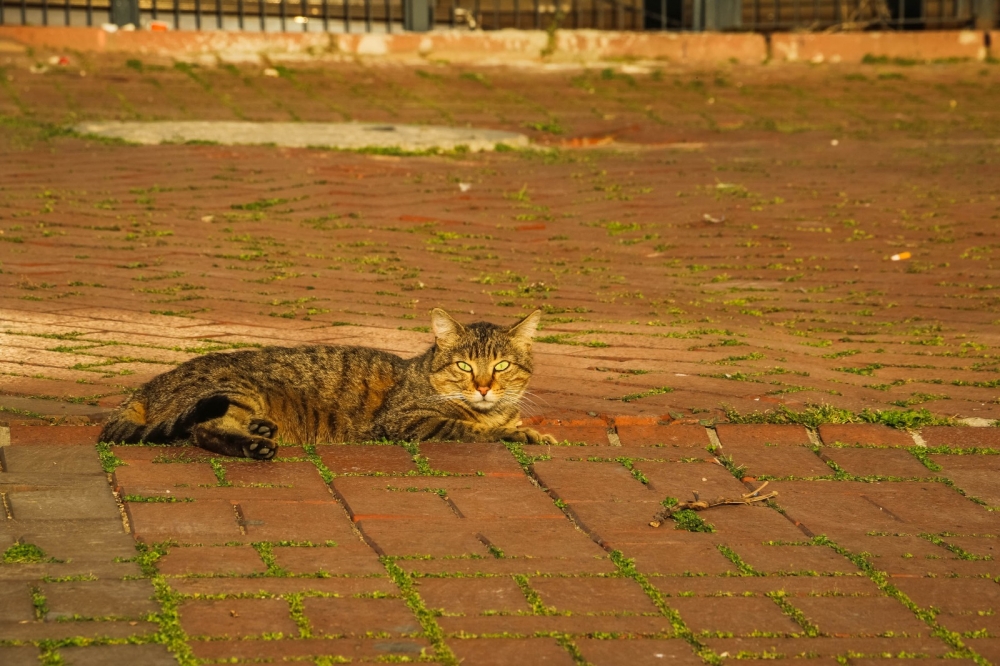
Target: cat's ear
{"type": "Point", "coordinates": [524, 330]}
{"type": "Point", "coordinates": [446, 329]}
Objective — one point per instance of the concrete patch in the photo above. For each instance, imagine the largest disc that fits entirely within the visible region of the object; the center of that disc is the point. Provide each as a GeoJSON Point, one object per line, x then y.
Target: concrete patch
{"type": "Point", "coordinates": [345, 136]}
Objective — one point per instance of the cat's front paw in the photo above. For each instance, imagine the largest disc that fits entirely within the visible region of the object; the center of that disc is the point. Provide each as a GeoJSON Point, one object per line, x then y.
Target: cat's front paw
{"type": "Point", "coordinates": [263, 428]}
{"type": "Point", "coordinates": [259, 448]}
{"type": "Point", "coordinates": [528, 436]}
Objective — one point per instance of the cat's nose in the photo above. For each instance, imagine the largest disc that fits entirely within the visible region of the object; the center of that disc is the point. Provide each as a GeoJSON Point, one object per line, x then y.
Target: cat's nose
{"type": "Point", "coordinates": [483, 390]}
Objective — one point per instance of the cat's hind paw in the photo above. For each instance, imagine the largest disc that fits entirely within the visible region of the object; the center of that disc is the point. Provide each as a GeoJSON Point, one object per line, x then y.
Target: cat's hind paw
{"type": "Point", "coordinates": [263, 428]}
{"type": "Point", "coordinates": [259, 448]}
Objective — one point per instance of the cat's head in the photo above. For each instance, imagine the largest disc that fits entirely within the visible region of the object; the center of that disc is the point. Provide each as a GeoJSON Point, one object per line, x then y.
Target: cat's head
{"type": "Point", "coordinates": [483, 365]}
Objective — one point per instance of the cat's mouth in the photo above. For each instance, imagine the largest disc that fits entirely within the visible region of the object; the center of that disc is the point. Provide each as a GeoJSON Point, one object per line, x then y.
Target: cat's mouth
{"type": "Point", "coordinates": [482, 402]}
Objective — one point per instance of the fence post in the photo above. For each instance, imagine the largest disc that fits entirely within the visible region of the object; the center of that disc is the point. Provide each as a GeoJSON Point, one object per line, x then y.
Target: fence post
{"type": "Point", "coordinates": [416, 15]}
{"type": "Point", "coordinates": [123, 12]}
{"type": "Point", "coordinates": [715, 15]}
{"type": "Point", "coordinates": [985, 12]}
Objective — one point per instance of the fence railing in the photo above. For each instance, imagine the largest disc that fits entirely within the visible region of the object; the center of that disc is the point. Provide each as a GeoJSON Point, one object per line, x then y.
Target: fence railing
{"type": "Point", "coordinates": [391, 15]}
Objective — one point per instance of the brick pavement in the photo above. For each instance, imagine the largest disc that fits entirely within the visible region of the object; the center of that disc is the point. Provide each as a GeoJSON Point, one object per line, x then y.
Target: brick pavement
{"type": "Point", "coordinates": [485, 553]}
{"type": "Point", "coordinates": [119, 262]}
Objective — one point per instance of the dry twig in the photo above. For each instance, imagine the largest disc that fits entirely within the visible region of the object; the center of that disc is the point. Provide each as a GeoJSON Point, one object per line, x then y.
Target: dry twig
{"type": "Point", "coordinates": [699, 504]}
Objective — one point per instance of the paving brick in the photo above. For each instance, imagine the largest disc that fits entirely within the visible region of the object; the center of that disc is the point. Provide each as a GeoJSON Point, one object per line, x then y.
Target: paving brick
{"type": "Point", "coordinates": [71, 435]}
{"type": "Point", "coordinates": [888, 508]}
{"type": "Point", "coordinates": [473, 596]}
{"type": "Point", "coordinates": [679, 480]}
{"type": "Point", "coordinates": [436, 538]}
{"type": "Point", "coordinates": [793, 586]}
{"type": "Point", "coordinates": [505, 499]}
{"type": "Point", "coordinates": [672, 558]}
{"type": "Point", "coordinates": [302, 477]}
{"type": "Point", "coordinates": [343, 586]}
{"type": "Point", "coordinates": [748, 523]}
{"type": "Point", "coordinates": [99, 598]}
{"type": "Point", "coordinates": [772, 559]}
{"type": "Point", "coordinates": [489, 458]}
{"type": "Point", "coordinates": [965, 605]}
{"type": "Point", "coordinates": [779, 461]}
{"type": "Point", "coordinates": [349, 617]}
{"type": "Point", "coordinates": [580, 624]}
{"type": "Point", "coordinates": [592, 481]}
{"type": "Point", "coordinates": [986, 547]}
{"type": "Point", "coordinates": [237, 617]}
{"type": "Point", "coordinates": [369, 498]}
{"type": "Point", "coordinates": [962, 438]}
{"type": "Point", "coordinates": [593, 434]}
{"type": "Point", "coordinates": [22, 655]}
{"type": "Point", "coordinates": [312, 520]}
{"type": "Point", "coordinates": [641, 652]}
{"type": "Point", "coordinates": [204, 521]}
{"type": "Point", "coordinates": [510, 651]}
{"type": "Point", "coordinates": [353, 558]}
{"type": "Point", "coordinates": [89, 542]}
{"type": "Point", "coordinates": [976, 475]}
{"type": "Point", "coordinates": [531, 566]}
{"type": "Point", "coordinates": [211, 560]}
{"type": "Point", "coordinates": [55, 631]}
{"type": "Point", "coordinates": [156, 479]}
{"type": "Point", "coordinates": [986, 647]}
{"type": "Point", "coordinates": [360, 459]}
{"type": "Point", "coordinates": [345, 649]}
{"type": "Point", "coordinates": [101, 655]}
{"type": "Point", "coordinates": [15, 602]}
{"type": "Point", "coordinates": [824, 647]}
{"type": "Point", "coordinates": [540, 539]}
{"type": "Point", "coordinates": [739, 615]}
{"type": "Point", "coordinates": [51, 460]}
{"type": "Point", "coordinates": [94, 501]}
{"type": "Point", "coordinates": [868, 617]}
{"type": "Point", "coordinates": [593, 595]}
{"type": "Point", "coordinates": [754, 436]}
{"type": "Point", "coordinates": [679, 440]}
{"type": "Point", "coordinates": [864, 433]}
{"type": "Point", "coordinates": [612, 522]}
{"type": "Point", "coordinates": [878, 462]}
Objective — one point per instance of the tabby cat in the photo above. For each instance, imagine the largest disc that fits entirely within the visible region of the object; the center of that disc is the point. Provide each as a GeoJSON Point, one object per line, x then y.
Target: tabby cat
{"type": "Point", "coordinates": [467, 387]}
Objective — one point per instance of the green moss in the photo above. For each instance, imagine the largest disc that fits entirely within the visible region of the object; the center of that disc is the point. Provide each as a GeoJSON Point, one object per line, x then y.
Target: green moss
{"type": "Point", "coordinates": [815, 415]}
{"type": "Point", "coordinates": [928, 616]}
{"type": "Point", "coordinates": [24, 553]}
{"type": "Point", "coordinates": [109, 461]}
{"type": "Point", "coordinates": [432, 630]}
{"type": "Point", "coordinates": [314, 458]}
{"type": "Point", "coordinates": [645, 394]}
{"type": "Point", "coordinates": [534, 600]}
{"type": "Point", "coordinates": [689, 520]}
{"type": "Point", "coordinates": [626, 569]}
{"type": "Point", "coordinates": [733, 557]}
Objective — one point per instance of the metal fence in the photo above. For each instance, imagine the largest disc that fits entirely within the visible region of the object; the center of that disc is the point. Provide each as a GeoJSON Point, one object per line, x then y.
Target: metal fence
{"type": "Point", "coordinates": [388, 16]}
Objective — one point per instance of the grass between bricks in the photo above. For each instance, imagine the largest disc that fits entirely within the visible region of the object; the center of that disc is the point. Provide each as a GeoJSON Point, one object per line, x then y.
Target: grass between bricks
{"type": "Point", "coordinates": [626, 568]}
{"type": "Point", "coordinates": [432, 630]}
{"type": "Point", "coordinates": [171, 634]}
{"type": "Point", "coordinates": [814, 416]}
{"type": "Point", "coordinates": [881, 580]}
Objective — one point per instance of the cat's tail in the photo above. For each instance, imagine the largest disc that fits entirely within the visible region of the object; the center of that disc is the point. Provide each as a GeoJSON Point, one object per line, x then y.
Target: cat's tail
{"type": "Point", "coordinates": [130, 425]}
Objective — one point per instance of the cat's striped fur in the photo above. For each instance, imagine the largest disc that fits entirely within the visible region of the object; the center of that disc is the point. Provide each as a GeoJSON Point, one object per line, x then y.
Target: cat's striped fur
{"type": "Point", "coordinates": [467, 387]}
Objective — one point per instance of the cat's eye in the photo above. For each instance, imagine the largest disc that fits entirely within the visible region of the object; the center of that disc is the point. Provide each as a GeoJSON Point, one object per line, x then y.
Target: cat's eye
{"type": "Point", "coordinates": [501, 366]}
{"type": "Point", "coordinates": [462, 365]}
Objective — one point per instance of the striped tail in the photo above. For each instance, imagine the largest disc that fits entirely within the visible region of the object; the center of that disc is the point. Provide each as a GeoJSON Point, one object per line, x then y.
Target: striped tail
{"type": "Point", "coordinates": [128, 425]}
